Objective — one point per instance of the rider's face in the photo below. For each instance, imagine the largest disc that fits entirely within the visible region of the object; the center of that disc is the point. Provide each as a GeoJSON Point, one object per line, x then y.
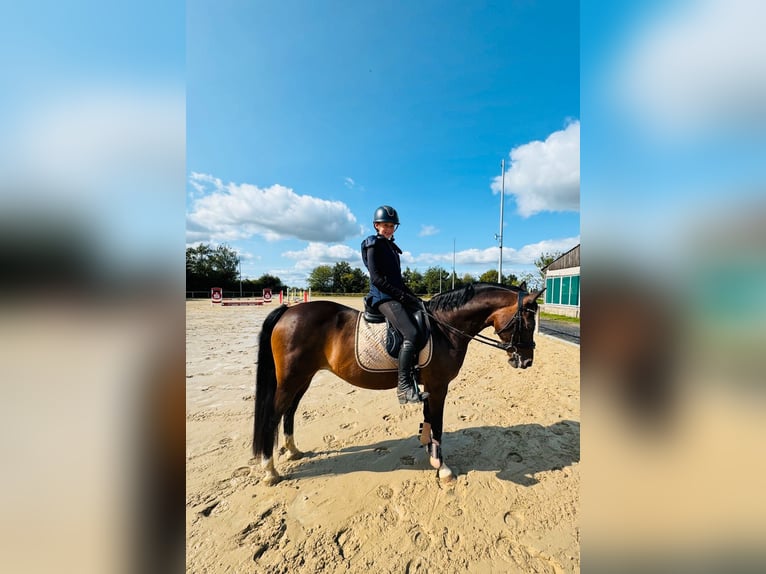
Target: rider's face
{"type": "Point", "coordinates": [385, 229]}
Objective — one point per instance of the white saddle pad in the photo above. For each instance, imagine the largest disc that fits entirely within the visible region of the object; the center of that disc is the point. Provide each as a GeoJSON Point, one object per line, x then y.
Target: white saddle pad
{"type": "Point", "coordinates": [370, 348]}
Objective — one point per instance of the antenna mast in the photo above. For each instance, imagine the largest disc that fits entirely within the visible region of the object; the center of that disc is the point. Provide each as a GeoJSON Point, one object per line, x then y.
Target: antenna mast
{"type": "Point", "coordinates": [502, 201]}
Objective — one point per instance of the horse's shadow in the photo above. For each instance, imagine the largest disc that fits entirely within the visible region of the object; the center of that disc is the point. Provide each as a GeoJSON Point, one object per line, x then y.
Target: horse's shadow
{"type": "Point", "coordinates": [515, 453]}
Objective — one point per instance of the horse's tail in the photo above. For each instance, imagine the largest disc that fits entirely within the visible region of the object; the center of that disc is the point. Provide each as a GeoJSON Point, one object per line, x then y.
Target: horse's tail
{"type": "Point", "coordinates": [265, 387]}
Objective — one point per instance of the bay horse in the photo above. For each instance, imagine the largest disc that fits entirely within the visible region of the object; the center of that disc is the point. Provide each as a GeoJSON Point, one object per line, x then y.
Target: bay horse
{"type": "Point", "coordinates": [296, 342]}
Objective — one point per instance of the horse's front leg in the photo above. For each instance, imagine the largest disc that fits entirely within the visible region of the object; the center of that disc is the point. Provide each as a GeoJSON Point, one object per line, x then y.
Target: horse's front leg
{"type": "Point", "coordinates": [431, 434]}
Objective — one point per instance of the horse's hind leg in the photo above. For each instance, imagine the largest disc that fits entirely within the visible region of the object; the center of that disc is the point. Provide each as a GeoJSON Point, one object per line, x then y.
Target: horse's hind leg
{"type": "Point", "coordinates": [281, 398]}
{"type": "Point", "coordinates": [286, 401]}
{"type": "Point", "coordinates": [289, 426]}
{"type": "Point", "coordinates": [271, 476]}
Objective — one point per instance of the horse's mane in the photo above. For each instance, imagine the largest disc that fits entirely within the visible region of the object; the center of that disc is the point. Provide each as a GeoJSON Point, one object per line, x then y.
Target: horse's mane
{"type": "Point", "coordinates": [456, 298]}
{"type": "Point", "coordinates": [452, 299]}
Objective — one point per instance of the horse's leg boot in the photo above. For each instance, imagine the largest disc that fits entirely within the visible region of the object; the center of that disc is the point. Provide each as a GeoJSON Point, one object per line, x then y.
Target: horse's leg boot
{"type": "Point", "coordinates": [408, 391]}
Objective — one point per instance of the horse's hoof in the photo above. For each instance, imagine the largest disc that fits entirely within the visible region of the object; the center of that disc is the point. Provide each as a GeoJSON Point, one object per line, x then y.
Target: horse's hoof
{"type": "Point", "coordinates": [271, 479]}
{"type": "Point", "coordinates": [445, 474]}
{"type": "Point", "coordinates": [293, 455]}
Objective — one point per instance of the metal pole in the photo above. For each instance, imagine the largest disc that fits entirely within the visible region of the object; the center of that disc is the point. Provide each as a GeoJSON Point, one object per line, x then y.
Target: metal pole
{"type": "Point", "coordinates": [453, 262]}
{"type": "Point", "coordinates": [240, 277]}
{"type": "Point", "coordinates": [502, 202]}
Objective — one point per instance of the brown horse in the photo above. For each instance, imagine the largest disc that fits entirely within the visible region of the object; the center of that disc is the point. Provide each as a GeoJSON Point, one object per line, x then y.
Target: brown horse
{"type": "Point", "coordinates": [296, 342]}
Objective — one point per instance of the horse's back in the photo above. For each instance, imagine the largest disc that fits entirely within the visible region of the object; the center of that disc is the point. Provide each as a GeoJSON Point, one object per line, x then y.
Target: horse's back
{"type": "Point", "coordinates": [311, 336]}
{"type": "Point", "coordinates": [316, 320]}
{"type": "Point", "coordinates": [320, 310]}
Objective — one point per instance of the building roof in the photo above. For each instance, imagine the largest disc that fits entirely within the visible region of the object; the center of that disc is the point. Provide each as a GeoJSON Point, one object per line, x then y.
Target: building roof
{"type": "Point", "coordinates": [569, 259]}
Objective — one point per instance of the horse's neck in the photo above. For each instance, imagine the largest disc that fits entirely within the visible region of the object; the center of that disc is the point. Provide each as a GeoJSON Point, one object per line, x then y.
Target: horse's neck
{"type": "Point", "coordinates": [475, 315]}
{"type": "Point", "coordinates": [470, 319]}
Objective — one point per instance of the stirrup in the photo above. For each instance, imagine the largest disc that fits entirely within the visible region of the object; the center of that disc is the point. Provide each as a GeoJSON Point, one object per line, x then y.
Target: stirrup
{"type": "Point", "coordinates": [411, 395]}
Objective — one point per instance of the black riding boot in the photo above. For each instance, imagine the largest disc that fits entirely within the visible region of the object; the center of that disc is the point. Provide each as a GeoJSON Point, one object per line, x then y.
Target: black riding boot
{"type": "Point", "coordinates": [408, 391]}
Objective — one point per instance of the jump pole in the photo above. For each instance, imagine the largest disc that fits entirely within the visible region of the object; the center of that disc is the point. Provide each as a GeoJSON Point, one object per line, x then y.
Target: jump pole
{"type": "Point", "coordinates": [216, 298]}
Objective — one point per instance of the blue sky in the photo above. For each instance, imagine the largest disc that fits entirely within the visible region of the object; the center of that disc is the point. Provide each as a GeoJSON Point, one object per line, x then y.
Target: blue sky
{"type": "Point", "coordinates": [92, 114]}
{"type": "Point", "coordinates": [303, 117]}
{"type": "Point", "coordinates": [342, 107]}
{"type": "Point", "coordinates": [674, 111]}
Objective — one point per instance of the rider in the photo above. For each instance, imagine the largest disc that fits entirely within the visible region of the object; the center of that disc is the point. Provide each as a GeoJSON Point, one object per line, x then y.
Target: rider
{"type": "Point", "coordinates": [392, 297]}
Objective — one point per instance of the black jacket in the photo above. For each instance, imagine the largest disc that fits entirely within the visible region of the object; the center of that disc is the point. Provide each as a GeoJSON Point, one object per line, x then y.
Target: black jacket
{"type": "Point", "coordinates": [381, 257]}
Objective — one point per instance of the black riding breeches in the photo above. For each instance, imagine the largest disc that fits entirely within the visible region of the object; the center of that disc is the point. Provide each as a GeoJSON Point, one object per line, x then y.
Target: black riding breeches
{"type": "Point", "coordinates": [400, 318]}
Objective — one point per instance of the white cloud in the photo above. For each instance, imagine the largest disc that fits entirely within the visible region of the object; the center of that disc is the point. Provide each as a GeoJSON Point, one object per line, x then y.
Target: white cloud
{"type": "Point", "coordinates": [696, 66]}
{"type": "Point", "coordinates": [238, 211]}
{"type": "Point", "coordinates": [247, 256]}
{"type": "Point", "coordinates": [198, 181]}
{"type": "Point", "coordinates": [545, 175]}
{"type": "Point", "coordinates": [291, 276]}
{"type": "Point", "coordinates": [488, 257]}
{"type": "Point", "coordinates": [465, 257]}
{"type": "Point", "coordinates": [426, 230]}
{"type": "Point", "coordinates": [529, 253]}
{"type": "Point", "coordinates": [106, 156]}
{"type": "Point", "coordinates": [469, 260]}
{"type": "Point", "coordinates": [316, 254]}
{"type": "Point", "coordinates": [82, 141]}
{"type": "Point", "coordinates": [350, 183]}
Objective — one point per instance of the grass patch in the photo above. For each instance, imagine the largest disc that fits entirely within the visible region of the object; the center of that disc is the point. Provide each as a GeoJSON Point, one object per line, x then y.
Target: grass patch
{"type": "Point", "coordinates": [564, 318]}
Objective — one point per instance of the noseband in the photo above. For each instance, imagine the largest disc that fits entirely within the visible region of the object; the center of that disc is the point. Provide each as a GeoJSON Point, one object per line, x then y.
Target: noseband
{"type": "Point", "coordinates": [516, 322]}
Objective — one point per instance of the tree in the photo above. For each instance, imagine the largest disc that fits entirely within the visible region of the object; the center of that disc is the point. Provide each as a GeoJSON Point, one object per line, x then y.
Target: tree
{"type": "Point", "coordinates": [466, 279]}
{"type": "Point", "coordinates": [198, 260]}
{"type": "Point", "coordinates": [225, 263]}
{"type": "Point", "coordinates": [531, 281]}
{"type": "Point", "coordinates": [543, 261]}
{"type": "Point", "coordinates": [436, 279]}
{"type": "Point", "coordinates": [490, 276]}
{"type": "Point", "coordinates": [265, 281]}
{"type": "Point", "coordinates": [208, 267]}
{"type": "Point", "coordinates": [341, 277]}
{"type": "Point", "coordinates": [321, 279]}
{"type": "Point", "coordinates": [414, 280]}
{"type": "Point", "coordinates": [359, 282]}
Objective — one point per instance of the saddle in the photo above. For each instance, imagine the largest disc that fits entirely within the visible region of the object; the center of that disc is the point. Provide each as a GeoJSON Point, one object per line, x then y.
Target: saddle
{"type": "Point", "coordinates": [394, 338]}
{"type": "Point", "coordinates": [377, 343]}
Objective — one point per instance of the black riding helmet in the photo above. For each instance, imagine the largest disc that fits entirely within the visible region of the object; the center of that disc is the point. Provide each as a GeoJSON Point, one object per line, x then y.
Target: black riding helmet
{"type": "Point", "coordinates": [386, 214]}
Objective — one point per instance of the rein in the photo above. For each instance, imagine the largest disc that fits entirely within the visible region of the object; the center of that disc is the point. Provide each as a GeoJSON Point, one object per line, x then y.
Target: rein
{"type": "Point", "coordinates": [487, 340]}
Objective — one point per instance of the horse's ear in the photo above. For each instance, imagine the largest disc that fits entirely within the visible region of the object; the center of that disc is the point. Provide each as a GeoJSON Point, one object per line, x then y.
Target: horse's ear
{"type": "Point", "coordinates": [532, 297]}
{"type": "Point", "coordinates": [523, 286]}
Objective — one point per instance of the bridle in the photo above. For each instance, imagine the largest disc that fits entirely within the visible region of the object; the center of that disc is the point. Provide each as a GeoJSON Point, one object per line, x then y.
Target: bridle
{"type": "Point", "coordinates": [517, 318]}
{"type": "Point", "coordinates": [510, 345]}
